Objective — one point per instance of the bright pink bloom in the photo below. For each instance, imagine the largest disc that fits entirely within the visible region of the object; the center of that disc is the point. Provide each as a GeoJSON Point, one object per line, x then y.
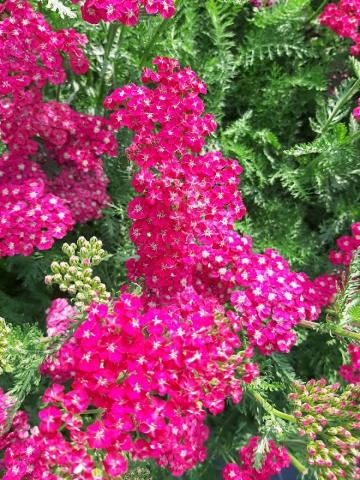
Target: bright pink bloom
{"type": "Point", "coordinates": [351, 373]}
{"type": "Point", "coordinates": [125, 11]}
{"type": "Point", "coordinates": [59, 317]}
{"type": "Point", "coordinates": [344, 19]}
{"type": "Point", "coordinates": [276, 458]}
{"type": "Point", "coordinates": [185, 209]}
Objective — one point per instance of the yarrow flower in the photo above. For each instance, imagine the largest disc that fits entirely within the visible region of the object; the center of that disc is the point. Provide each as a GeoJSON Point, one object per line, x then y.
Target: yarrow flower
{"type": "Point", "coordinates": [351, 373]}
{"type": "Point", "coordinates": [31, 52]}
{"type": "Point", "coordinates": [59, 317]}
{"type": "Point", "coordinates": [37, 208]}
{"type": "Point", "coordinates": [275, 459]}
{"type": "Point", "coordinates": [346, 246]}
{"type": "Point", "coordinates": [334, 282]}
{"type": "Point", "coordinates": [73, 143]}
{"type": "Point", "coordinates": [124, 11]}
{"type": "Point", "coordinates": [185, 209]}
{"type": "Point", "coordinates": [152, 374]}
{"type": "Point", "coordinates": [356, 111]}
{"type": "Point", "coordinates": [29, 215]}
{"type": "Point", "coordinates": [18, 430]}
{"type": "Point", "coordinates": [261, 3]}
{"type": "Point", "coordinates": [344, 19]}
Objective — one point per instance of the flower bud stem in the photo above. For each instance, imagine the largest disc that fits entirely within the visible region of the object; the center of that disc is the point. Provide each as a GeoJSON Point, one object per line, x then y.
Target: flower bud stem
{"type": "Point", "coordinates": [113, 28]}
{"type": "Point", "coordinates": [297, 464]}
{"type": "Point", "coordinates": [341, 332]}
{"type": "Point", "coordinates": [269, 408]}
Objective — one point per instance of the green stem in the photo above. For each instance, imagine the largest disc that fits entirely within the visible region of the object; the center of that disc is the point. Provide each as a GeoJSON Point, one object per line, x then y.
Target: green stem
{"type": "Point", "coordinates": [113, 28]}
{"type": "Point", "coordinates": [355, 87]}
{"type": "Point", "coordinates": [119, 42]}
{"type": "Point", "coordinates": [341, 332]}
{"type": "Point", "coordinates": [269, 408]}
{"type": "Point", "coordinates": [158, 30]}
{"type": "Point", "coordinates": [58, 88]}
{"type": "Point", "coordinates": [298, 465]}
{"type": "Point", "coordinates": [318, 10]}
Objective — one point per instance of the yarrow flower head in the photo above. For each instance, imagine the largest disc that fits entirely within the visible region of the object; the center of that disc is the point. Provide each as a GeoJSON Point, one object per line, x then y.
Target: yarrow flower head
{"type": "Point", "coordinates": [185, 209]}
{"type": "Point", "coordinates": [29, 215]}
{"type": "Point", "coordinates": [37, 208]}
{"type": "Point", "coordinates": [124, 11]}
{"type": "Point", "coordinates": [31, 52]}
{"type": "Point", "coordinates": [346, 246]}
{"type": "Point", "coordinates": [58, 317]}
{"type": "Point", "coordinates": [152, 374]}
{"type": "Point", "coordinates": [344, 19]}
{"type": "Point", "coordinates": [11, 429]}
{"type": "Point", "coordinates": [275, 459]}
{"type": "Point", "coordinates": [351, 373]}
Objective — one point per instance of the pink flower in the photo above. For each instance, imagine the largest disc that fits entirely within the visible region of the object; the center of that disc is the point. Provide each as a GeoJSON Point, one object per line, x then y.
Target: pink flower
{"type": "Point", "coordinates": [115, 464]}
{"type": "Point", "coordinates": [276, 458]}
{"type": "Point", "coordinates": [125, 11]}
{"type": "Point", "coordinates": [232, 471]}
{"type": "Point", "coordinates": [59, 317]}
{"type": "Point", "coordinates": [344, 19]}
{"type": "Point", "coordinates": [351, 373]}
{"type": "Point", "coordinates": [50, 419]}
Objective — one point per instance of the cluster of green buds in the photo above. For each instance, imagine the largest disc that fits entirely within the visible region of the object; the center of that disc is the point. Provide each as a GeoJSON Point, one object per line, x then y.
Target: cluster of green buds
{"type": "Point", "coordinates": [138, 473]}
{"type": "Point", "coordinates": [134, 473]}
{"type": "Point", "coordinates": [330, 418]}
{"type": "Point", "coordinates": [76, 275]}
{"type": "Point", "coordinates": [4, 334]}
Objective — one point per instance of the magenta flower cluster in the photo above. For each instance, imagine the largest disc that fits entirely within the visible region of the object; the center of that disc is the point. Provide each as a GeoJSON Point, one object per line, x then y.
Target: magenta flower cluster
{"type": "Point", "coordinates": [151, 367]}
{"type": "Point", "coordinates": [152, 374]}
{"type": "Point", "coordinates": [37, 207]}
{"type": "Point", "coordinates": [31, 52]}
{"type": "Point", "coordinates": [344, 19]}
{"type": "Point", "coordinates": [184, 213]}
{"type": "Point", "coordinates": [19, 428]}
{"type": "Point", "coordinates": [346, 246]}
{"type": "Point", "coordinates": [124, 11]}
{"type": "Point", "coordinates": [351, 373]}
{"type": "Point", "coordinates": [275, 459]}
{"type": "Point", "coordinates": [341, 259]}
{"type": "Point", "coordinates": [59, 317]}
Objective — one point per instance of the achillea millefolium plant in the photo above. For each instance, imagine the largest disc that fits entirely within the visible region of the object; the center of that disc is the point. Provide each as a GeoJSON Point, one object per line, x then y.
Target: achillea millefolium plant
{"type": "Point", "coordinates": [179, 240]}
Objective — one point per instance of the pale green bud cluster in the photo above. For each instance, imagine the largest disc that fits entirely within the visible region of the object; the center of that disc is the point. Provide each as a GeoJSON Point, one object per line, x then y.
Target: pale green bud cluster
{"type": "Point", "coordinates": [76, 275]}
{"type": "Point", "coordinates": [4, 334]}
{"type": "Point", "coordinates": [138, 473]}
{"type": "Point", "coordinates": [329, 418]}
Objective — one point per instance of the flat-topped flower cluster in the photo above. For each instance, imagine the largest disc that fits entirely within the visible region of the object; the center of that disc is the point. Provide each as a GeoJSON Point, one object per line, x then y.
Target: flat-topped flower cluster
{"type": "Point", "coordinates": [124, 11]}
{"type": "Point", "coordinates": [275, 459]}
{"type": "Point", "coordinates": [185, 209]}
{"type": "Point", "coordinates": [36, 206]}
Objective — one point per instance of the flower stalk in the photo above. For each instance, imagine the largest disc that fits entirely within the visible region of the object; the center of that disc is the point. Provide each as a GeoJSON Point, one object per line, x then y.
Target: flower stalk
{"type": "Point", "coordinates": [112, 31]}
{"type": "Point", "coordinates": [269, 408]}
{"type": "Point", "coordinates": [341, 332]}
